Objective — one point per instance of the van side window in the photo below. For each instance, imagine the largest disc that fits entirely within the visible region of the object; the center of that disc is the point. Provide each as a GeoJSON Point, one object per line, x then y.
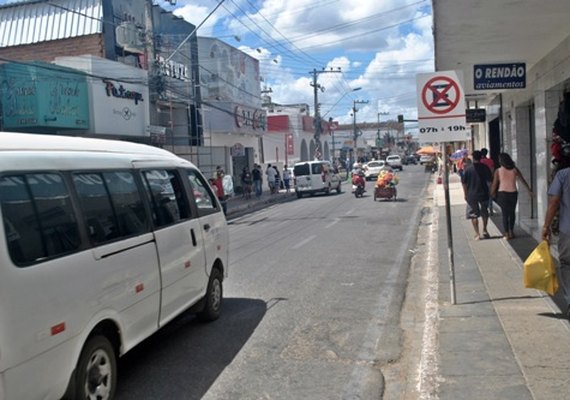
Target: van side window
{"type": "Point", "coordinates": [203, 195]}
{"type": "Point", "coordinates": [38, 217]}
{"type": "Point", "coordinates": [111, 205]}
{"type": "Point", "coordinates": [166, 197]}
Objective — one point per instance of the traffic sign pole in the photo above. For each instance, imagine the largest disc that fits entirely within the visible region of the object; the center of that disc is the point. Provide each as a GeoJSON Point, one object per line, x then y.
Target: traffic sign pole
{"type": "Point", "coordinates": [441, 118]}
{"type": "Point", "coordinates": [449, 230]}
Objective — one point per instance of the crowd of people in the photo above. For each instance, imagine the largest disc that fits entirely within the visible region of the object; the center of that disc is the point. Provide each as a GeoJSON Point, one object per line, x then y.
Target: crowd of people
{"type": "Point", "coordinates": [484, 183]}
{"type": "Point", "coordinates": [251, 182]}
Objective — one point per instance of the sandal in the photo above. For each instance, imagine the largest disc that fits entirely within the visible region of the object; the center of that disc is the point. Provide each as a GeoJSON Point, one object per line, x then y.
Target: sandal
{"type": "Point", "coordinates": [486, 235]}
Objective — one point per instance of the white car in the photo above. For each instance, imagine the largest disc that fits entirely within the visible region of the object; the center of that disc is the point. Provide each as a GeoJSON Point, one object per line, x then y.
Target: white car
{"type": "Point", "coordinates": [395, 161]}
{"type": "Point", "coordinates": [372, 169]}
{"type": "Point", "coordinates": [426, 158]}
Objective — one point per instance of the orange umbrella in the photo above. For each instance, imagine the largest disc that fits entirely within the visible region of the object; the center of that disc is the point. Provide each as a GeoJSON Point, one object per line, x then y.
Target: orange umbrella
{"type": "Point", "coordinates": [427, 150]}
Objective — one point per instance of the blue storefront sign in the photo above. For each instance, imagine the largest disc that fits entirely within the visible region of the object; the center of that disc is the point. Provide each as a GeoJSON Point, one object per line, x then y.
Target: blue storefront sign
{"type": "Point", "coordinates": [499, 76]}
{"type": "Point", "coordinates": [40, 97]}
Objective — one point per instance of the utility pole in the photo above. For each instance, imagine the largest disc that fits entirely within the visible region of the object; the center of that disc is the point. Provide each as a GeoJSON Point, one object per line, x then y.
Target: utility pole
{"type": "Point", "coordinates": [378, 138]}
{"type": "Point", "coordinates": [354, 130]}
{"type": "Point", "coordinates": [317, 119]}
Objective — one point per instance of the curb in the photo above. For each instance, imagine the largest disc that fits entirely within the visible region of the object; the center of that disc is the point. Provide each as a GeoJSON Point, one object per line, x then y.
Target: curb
{"type": "Point", "coordinates": [252, 205]}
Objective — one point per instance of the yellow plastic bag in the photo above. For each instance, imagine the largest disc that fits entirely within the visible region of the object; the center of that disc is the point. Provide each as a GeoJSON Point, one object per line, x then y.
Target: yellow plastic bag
{"type": "Point", "coordinates": [540, 270]}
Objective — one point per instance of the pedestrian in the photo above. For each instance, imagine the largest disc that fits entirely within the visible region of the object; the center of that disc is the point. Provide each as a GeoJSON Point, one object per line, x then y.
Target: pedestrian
{"type": "Point", "coordinates": [228, 183]}
{"type": "Point", "coordinates": [257, 178]}
{"type": "Point", "coordinates": [476, 192]}
{"type": "Point", "coordinates": [277, 179]}
{"type": "Point", "coordinates": [504, 189]}
{"type": "Point", "coordinates": [491, 164]}
{"type": "Point", "coordinates": [286, 178]}
{"type": "Point", "coordinates": [246, 182]}
{"type": "Point", "coordinates": [217, 171]}
{"type": "Point", "coordinates": [559, 200]}
{"type": "Point", "coordinates": [462, 164]}
{"type": "Point", "coordinates": [218, 184]}
{"type": "Point", "coordinates": [270, 172]}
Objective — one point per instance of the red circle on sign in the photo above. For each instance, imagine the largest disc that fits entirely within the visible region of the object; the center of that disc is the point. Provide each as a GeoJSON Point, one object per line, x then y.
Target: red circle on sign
{"type": "Point", "coordinates": [449, 104]}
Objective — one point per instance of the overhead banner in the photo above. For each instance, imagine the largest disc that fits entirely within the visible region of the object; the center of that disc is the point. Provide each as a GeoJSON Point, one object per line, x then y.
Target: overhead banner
{"type": "Point", "coordinates": [441, 107]}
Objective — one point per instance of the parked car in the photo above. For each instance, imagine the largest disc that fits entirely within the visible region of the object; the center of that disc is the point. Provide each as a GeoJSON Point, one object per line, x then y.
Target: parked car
{"type": "Point", "coordinates": [426, 158]}
{"type": "Point", "coordinates": [395, 161]}
{"type": "Point", "coordinates": [315, 176]}
{"type": "Point", "coordinates": [372, 169]}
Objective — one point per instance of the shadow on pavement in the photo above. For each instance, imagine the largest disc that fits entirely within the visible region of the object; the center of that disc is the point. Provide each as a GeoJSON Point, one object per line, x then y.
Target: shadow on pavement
{"type": "Point", "coordinates": [555, 316]}
{"type": "Point", "coordinates": [187, 356]}
{"type": "Point", "coordinates": [522, 245]}
{"type": "Point", "coordinates": [499, 299]}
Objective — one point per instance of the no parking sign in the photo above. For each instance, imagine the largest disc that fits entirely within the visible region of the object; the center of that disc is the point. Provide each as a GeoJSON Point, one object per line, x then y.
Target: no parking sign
{"type": "Point", "coordinates": [441, 107]}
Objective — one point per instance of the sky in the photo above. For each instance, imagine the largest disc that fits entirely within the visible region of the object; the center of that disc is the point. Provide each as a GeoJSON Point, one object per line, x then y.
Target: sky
{"type": "Point", "coordinates": [374, 46]}
{"type": "Point", "coordinates": [379, 46]}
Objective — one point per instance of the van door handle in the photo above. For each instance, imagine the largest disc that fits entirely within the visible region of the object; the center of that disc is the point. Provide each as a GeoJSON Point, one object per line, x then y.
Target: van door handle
{"type": "Point", "coordinates": [206, 227]}
{"type": "Point", "coordinates": [193, 235]}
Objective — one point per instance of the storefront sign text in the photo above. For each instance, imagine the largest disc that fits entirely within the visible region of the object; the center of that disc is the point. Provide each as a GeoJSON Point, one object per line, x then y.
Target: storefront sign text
{"type": "Point", "coordinates": [121, 92]}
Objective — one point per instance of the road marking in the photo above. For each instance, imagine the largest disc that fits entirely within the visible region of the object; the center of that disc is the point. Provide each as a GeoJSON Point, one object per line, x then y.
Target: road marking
{"type": "Point", "coordinates": [303, 242]}
{"type": "Point", "coordinates": [332, 223]}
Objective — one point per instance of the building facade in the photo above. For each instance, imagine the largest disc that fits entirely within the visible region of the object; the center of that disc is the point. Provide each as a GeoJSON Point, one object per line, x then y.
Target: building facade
{"type": "Point", "coordinates": [519, 108]}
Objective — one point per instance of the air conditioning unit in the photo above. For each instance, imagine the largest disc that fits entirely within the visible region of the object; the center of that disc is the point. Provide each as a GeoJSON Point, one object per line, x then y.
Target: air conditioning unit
{"type": "Point", "coordinates": [130, 37]}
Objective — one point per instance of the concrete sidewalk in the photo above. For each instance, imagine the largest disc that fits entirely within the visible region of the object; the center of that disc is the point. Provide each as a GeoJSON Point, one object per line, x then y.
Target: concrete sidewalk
{"type": "Point", "coordinates": [239, 205]}
{"type": "Point", "coordinates": [500, 340]}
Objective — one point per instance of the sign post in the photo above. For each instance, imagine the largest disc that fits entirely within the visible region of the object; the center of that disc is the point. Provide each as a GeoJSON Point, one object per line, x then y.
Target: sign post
{"type": "Point", "coordinates": [441, 118]}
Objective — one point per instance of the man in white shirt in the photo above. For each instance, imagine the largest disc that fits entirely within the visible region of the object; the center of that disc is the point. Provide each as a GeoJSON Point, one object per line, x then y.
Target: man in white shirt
{"type": "Point", "coordinates": [271, 174]}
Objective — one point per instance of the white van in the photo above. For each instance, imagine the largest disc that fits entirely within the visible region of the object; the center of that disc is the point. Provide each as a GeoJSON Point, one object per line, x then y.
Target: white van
{"type": "Point", "coordinates": [101, 244]}
{"type": "Point", "coordinates": [315, 177]}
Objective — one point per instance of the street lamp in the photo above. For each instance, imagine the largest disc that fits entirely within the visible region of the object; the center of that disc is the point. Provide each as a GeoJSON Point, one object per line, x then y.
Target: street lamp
{"type": "Point", "coordinates": [317, 119]}
{"type": "Point", "coordinates": [354, 131]}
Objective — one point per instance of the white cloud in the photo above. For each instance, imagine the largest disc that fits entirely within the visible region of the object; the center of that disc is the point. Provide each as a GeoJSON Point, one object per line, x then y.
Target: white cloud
{"type": "Point", "coordinates": [196, 14]}
{"type": "Point", "coordinates": [379, 45]}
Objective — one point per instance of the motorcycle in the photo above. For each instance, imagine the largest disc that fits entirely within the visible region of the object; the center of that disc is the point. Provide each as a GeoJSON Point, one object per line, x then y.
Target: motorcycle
{"type": "Point", "coordinates": [358, 190]}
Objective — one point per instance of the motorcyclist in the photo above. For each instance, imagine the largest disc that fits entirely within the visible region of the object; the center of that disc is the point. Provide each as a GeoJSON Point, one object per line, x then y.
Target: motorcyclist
{"type": "Point", "coordinates": [358, 179]}
{"type": "Point", "coordinates": [356, 169]}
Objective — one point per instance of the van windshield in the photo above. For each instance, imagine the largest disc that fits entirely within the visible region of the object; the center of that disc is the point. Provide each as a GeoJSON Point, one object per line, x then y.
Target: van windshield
{"type": "Point", "coordinates": [310, 169]}
{"type": "Point", "coordinates": [302, 169]}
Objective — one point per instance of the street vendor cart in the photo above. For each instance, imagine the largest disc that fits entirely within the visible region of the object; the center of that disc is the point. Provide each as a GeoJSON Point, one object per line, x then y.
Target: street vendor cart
{"type": "Point", "coordinates": [387, 192]}
{"type": "Point", "coordinates": [386, 186]}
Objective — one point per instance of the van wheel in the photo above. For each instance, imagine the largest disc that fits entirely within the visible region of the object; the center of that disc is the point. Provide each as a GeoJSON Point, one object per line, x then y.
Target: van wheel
{"type": "Point", "coordinates": [213, 299]}
{"type": "Point", "coordinates": [299, 195]}
{"type": "Point", "coordinates": [328, 190]}
{"type": "Point", "coordinates": [339, 189]}
{"type": "Point", "coordinates": [96, 373]}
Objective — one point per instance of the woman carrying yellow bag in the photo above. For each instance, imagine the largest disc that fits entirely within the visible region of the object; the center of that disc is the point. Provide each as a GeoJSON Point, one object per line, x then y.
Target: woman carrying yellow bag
{"type": "Point", "coordinates": [540, 270]}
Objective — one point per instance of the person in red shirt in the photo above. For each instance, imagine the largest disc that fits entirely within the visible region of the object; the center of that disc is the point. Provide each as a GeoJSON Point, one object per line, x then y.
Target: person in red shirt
{"type": "Point", "coordinates": [219, 188]}
{"type": "Point", "coordinates": [358, 179]}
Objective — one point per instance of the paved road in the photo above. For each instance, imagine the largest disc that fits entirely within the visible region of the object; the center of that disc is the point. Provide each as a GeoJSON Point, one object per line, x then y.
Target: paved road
{"type": "Point", "coordinates": [312, 309]}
